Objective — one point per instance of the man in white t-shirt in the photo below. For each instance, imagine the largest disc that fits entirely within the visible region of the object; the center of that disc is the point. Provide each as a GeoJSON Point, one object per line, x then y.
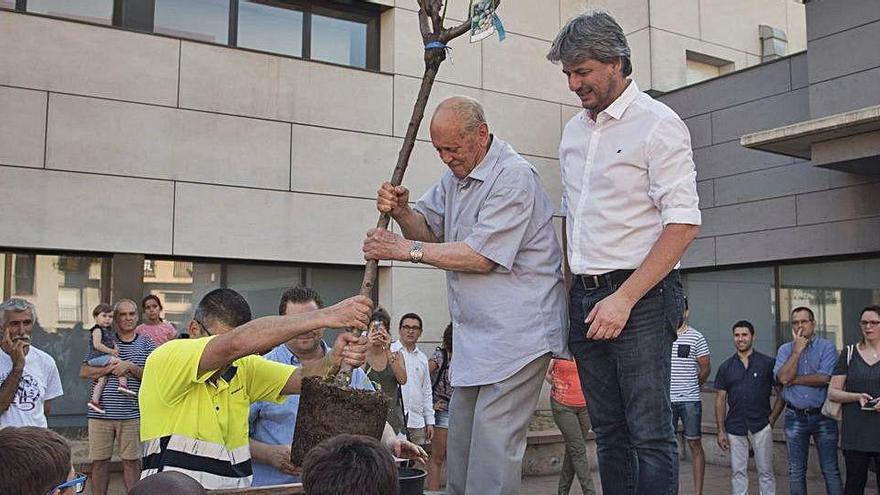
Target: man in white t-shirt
{"type": "Point", "coordinates": [690, 369]}
{"type": "Point", "coordinates": [29, 378]}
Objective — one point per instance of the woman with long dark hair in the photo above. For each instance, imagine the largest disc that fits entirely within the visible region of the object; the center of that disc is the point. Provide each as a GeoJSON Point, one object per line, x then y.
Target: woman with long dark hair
{"type": "Point", "coordinates": [155, 328]}
{"type": "Point", "coordinates": [386, 369]}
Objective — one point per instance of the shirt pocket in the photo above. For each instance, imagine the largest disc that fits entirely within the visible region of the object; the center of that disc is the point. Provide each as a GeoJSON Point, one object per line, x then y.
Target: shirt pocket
{"type": "Point", "coordinates": [684, 350]}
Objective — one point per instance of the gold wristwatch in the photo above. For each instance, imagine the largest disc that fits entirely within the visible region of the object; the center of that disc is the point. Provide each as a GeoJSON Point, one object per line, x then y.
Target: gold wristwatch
{"type": "Point", "coordinates": [415, 253]}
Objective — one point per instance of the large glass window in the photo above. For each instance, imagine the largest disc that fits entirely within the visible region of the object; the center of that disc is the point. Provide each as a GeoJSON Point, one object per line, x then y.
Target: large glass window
{"type": "Point", "coordinates": [270, 26]}
{"type": "Point", "coordinates": [7, 4]}
{"type": "Point", "coordinates": [836, 292]}
{"type": "Point", "coordinates": [340, 41]}
{"type": "Point", "coordinates": [719, 299]}
{"type": "Point", "coordinates": [179, 285]}
{"type": "Point", "coordinates": [23, 274]}
{"type": "Point", "coordinates": [203, 20]}
{"type": "Point", "coordinates": [97, 11]}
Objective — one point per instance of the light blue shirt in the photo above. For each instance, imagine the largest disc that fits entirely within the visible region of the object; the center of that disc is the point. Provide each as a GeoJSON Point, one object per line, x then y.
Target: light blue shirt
{"type": "Point", "coordinates": [819, 357]}
{"type": "Point", "coordinates": [514, 314]}
{"type": "Point", "coordinates": [275, 423]}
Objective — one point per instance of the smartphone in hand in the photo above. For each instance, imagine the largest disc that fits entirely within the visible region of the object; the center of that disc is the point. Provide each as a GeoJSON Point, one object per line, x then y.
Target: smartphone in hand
{"type": "Point", "coordinates": [871, 404]}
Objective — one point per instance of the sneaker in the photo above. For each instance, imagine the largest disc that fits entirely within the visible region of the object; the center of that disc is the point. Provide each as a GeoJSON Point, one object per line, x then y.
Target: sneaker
{"type": "Point", "coordinates": [127, 391]}
{"type": "Point", "coordinates": [94, 406]}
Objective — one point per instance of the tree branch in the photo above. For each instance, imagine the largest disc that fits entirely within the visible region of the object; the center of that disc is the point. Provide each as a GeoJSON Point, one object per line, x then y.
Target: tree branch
{"type": "Point", "coordinates": [423, 21]}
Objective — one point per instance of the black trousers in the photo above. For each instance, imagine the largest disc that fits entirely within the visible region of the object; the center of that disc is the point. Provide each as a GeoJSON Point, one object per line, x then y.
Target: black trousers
{"type": "Point", "coordinates": [857, 463]}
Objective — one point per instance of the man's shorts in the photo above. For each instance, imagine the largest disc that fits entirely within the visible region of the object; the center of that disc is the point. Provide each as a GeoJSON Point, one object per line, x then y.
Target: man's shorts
{"type": "Point", "coordinates": [104, 433]}
{"type": "Point", "coordinates": [417, 435]}
{"type": "Point", "coordinates": [691, 414]}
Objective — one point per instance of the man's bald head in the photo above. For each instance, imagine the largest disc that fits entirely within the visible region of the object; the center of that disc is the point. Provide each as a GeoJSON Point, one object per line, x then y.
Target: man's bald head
{"type": "Point", "coordinates": [461, 111]}
{"type": "Point", "coordinates": [167, 482]}
{"type": "Point", "coordinates": [460, 134]}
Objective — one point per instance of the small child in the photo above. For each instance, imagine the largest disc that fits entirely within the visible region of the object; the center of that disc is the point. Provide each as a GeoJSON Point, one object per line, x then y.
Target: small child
{"type": "Point", "coordinates": [103, 352]}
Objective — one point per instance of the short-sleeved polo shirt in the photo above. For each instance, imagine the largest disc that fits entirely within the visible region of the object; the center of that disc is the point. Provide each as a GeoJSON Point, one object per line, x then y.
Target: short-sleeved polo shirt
{"type": "Point", "coordinates": [748, 392]}
{"type": "Point", "coordinates": [516, 313]}
{"type": "Point", "coordinates": [199, 426]}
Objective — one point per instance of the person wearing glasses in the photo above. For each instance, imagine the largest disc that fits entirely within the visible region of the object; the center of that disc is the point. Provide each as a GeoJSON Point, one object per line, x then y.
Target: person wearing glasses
{"type": "Point", "coordinates": [36, 461]}
{"type": "Point", "coordinates": [418, 399]}
{"type": "Point", "coordinates": [196, 393]}
{"type": "Point", "coordinates": [804, 367]}
{"type": "Point", "coordinates": [856, 385]}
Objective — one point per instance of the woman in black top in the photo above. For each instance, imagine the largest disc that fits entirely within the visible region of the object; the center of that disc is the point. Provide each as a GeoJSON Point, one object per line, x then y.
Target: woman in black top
{"type": "Point", "coordinates": [855, 384]}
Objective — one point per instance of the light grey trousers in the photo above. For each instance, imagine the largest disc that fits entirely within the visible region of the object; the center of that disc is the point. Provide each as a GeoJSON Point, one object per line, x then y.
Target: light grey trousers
{"type": "Point", "coordinates": [487, 432]}
{"type": "Point", "coordinates": [762, 444]}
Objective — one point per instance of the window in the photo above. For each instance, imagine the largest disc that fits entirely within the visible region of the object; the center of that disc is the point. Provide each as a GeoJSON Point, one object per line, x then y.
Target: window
{"type": "Point", "coordinates": [345, 33]}
{"type": "Point", "coordinates": [271, 27]}
{"type": "Point", "coordinates": [23, 274]}
{"type": "Point", "coordinates": [96, 11]}
{"type": "Point", "coordinates": [183, 269]}
{"type": "Point", "coordinates": [149, 268]}
{"type": "Point", "coordinates": [202, 20]}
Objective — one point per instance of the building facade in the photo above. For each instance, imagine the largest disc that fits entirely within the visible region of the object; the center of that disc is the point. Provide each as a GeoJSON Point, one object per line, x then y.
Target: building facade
{"type": "Point", "coordinates": [171, 147]}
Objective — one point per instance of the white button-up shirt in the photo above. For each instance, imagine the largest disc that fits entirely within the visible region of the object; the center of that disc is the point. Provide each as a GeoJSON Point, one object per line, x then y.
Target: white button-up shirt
{"type": "Point", "coordinates": [625, 177]}
{"type": "Point", "coordinates": [418, 398]}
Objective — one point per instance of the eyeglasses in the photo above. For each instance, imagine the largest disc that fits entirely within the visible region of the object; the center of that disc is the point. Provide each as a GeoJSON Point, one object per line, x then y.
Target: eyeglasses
{"type": "Point", "coordinates": [869, 323]}
{"type": "Point", "coordinates": [797, 323]}
{"type": "Point", "coordinates": [408, 327]}
{"type": "Point", "coordinates": [204, 328]}
{"type": "Point", "coordinates": [78, 484]}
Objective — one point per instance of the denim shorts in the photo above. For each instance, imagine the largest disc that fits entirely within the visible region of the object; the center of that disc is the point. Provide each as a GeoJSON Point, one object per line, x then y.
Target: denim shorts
{"type": "Point", "coordinates": [691, 414]}
{"type": "Point", "coordinates": [441, 419]}
{"type": "Point", "coordinates": [100, 361]}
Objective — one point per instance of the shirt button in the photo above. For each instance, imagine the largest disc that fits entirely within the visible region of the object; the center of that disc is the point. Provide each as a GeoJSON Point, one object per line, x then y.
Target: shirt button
{"type": "Point", "coordinates": [218, 408]}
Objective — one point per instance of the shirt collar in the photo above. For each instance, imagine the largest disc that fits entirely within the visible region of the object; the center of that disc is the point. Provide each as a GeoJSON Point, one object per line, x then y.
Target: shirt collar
{"type": "Point", "coordinates": [618, 106]}
{"type": "Point", "coordinates": [483, 169]}
{"type": "Point", "coordinates": [291, 358]}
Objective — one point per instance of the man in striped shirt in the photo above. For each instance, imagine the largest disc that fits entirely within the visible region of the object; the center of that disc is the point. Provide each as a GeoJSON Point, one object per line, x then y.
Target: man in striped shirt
{"type": "Point", "coordinates": [120, 423]}
{"type": "Point", "coordinates": [690, 368]}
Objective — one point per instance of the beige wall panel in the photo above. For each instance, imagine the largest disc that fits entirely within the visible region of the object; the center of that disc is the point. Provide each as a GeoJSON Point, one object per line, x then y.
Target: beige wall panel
{"type": "Point", "coordinates": [464, 67]}
{"type": "Point", "coordinates": [406, 289]}
{"type": "Point", "coordinates": [458, 9]}
{"type": "Point", "coordinates": [566, 113]}
{"type": "Point", "coordinates": [60, 210]}
{"type": "Point", "coordinates": [669, 60]}
{"type": "Point", "coordinates": [346, 163]}
{"type": "Point", "coordinates": [388, 3]}
{"type": "Point", "coordinates": [519, 66]}
{"type": "Point", "coordinates": [632, 15]}
{"type": "Point", "coordinates": [22, 127]}
{"type": "Point", "coordinates": [232, 222]}
{"type": "Point", "coordinates": [388, 30]}
{"type": "Point", "coordinates": [549, 172]}
{"type": "Point", "coordinates": [103, 136]}
{"type": "Point", "coordinates": [797, 27]}
{"type": "Point", "coordinates": [530, 18]}
{"type": "Point", "coordinates": [406, 89]}
{"type": "Point", "coordinates": [640, 51]}
{"type": "Point", "coordinates": [76, 58]}
{"type": "Point", "coordinates": [258, 85]}
{"type": "Point", "coordinates": [425, 170]}
{"type": "Point", "coordinates": [530, 126]}
{"type": "Point", "coordinates": [678, 16]}
{"type": "Point", "coordinates": [735, 24]}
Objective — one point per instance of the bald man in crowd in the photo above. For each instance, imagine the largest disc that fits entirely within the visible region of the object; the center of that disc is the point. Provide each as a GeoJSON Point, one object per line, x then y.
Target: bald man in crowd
{"type": "Point", "coordinates": [488, 224]}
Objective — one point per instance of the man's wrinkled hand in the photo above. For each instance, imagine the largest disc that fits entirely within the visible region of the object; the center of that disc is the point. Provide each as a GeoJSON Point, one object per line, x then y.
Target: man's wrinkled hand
{"type": "Point", "coordinates": [799, 341]}
{"type": "Point", "coordinates": [279, 458]}
{"type": "Point", "coordinates": [407, 450]}
{"type": "Point", "coordinates": [349, 349]}
{"type": "Point", "coordinates": [723, 442]}
{"type": "Point", "coordinates": [392, 200]}
{"type": "Point", "coordinates": [14, 348]}
{"type": "Point", "coordinates": [608, 317]}
{"type": "Point", "coordinates": [353, 312]}
{"type": "Point", "coordinates": [382, 244]}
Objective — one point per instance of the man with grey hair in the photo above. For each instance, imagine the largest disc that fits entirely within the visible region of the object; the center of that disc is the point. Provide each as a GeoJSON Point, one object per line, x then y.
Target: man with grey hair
{"type": "Point", "coordinates": [29, 377]}
{"type": "Point", "coordinates": [488, 223]}
{"type": "Point", "coordinates": [630, 206]}
{"type": "Point", "coordinates": [120, 423]}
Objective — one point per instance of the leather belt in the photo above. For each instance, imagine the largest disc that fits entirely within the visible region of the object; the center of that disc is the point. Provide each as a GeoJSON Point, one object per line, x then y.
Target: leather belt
{"type": "Point", "coordinates": [607, 279]}
{"type": "Point", "coordinates": [809, 410]}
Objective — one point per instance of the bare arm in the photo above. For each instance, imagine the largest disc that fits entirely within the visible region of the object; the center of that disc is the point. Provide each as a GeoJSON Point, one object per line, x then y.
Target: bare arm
{"type": "Point", "coordinates": [10, 387]}
{"type": "Point", "coordinates": [262, 334]}
{"type": "Point", "coordinates": [778, 406]}
{"type": "Point", "coordinates": [96, 343]}
{"type": "Point", "coordinates": [837, 393]}
{"type": "Point", "coordinates": [705, 368]}
{"type": "Point", "coordinates": [610, 315]}
{"type": "Point", "coordinates": [818, 380]}
{"type": "Point", "coordinates": [720, 417]}
{"type": "Point", "coordinates": [788, 372]}
{"type": "Point", "coordinates": [414, 226]}
{"type": "Point", "coordinates": [399, 368]}
{"type": "Point", "coordinates": [455, 257]}
{"type": "Point", "coordinates": [92, 372]}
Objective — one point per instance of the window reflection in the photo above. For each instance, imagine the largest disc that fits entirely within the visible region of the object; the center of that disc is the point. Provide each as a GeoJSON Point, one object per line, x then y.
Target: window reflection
{"type": "Point", "coordinates": [270, 28]}
{"type": "Point", "coordinates": [179, 286]}
{"type": "Point", "coordinates": [339, 41]}
{"type": "Point", "coordinates": [7, 4]}
{"type": "Point", "coordinates": [202, 20]}
{"type": "Point", "coordinates": [97, 11]}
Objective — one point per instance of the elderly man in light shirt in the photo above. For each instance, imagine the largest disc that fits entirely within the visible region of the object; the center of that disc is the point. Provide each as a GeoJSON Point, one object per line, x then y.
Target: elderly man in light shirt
{"type": "Point", "coordinates": [630, 204]}
{"type": "Point", "coordinates": [488, 223]}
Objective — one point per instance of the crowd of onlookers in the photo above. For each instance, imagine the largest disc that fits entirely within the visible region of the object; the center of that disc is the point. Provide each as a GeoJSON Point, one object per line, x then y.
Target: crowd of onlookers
{"type": "Point", "coordinates": [211, 412]}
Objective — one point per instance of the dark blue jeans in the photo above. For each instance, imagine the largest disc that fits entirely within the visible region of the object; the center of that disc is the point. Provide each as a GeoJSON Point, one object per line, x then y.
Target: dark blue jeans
{"type": "Point", "coordinates": [626, 384]}
{"type": "Point", "coordinates": [798, 429]}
